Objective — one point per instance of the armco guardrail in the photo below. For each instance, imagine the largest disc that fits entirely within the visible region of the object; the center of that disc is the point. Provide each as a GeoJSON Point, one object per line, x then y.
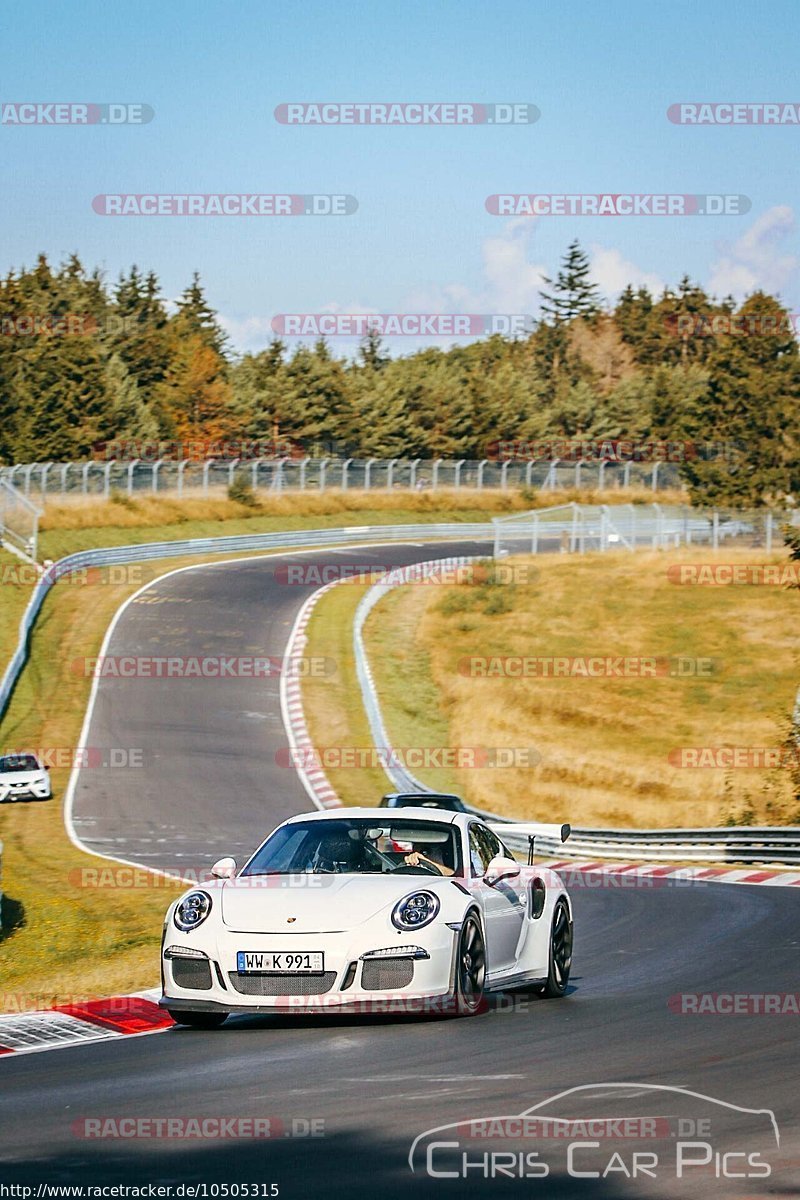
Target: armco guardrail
{"type": "Point", "coordinates": [737, 844]}
{"type": "Point", "coordinates": [401, 777]}
{"type": "Point", "coordinates": [744, 844]}
{"type": "Point", "coordinates": [223, 545]}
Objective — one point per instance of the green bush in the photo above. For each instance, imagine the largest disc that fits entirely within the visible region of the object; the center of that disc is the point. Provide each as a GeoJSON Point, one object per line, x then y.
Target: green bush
{"type": "Point", "coordinates": [242, 492]}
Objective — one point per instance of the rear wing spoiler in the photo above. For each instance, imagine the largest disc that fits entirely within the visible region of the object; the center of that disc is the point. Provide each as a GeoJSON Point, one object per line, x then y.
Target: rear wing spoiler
{"type": "Point", "coordinates": [518, 835]}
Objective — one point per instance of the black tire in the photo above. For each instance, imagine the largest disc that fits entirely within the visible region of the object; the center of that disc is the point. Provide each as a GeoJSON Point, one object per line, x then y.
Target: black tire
{"type": "Point", "coordinates": [198, 1020]}
{"type": "Point", "coordinates": [560, 952]}
{"type": "Point", "coordinates": [470, 968]}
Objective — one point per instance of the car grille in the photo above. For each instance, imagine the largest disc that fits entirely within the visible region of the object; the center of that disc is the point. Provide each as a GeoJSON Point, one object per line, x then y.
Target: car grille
{"type": "Point", "coordinates": [192, 973]}
{"type": "Point", "coordinates": [282, 985]}
{"type": "Point", "coordinates": [383, 974]}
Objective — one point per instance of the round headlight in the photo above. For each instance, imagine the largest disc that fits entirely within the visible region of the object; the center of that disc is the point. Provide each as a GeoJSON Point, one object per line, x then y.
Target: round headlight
{"type": "Point", "coordinates": [415, 910]}
{"type": "Point", "coordinates": [192, 910]}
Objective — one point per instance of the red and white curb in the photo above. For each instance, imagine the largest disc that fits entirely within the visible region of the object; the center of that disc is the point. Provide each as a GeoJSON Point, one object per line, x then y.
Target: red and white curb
{"type": "Point", "coordinates": [653, 873]}
{"type": "Point", "coordinates": [81, 1022]}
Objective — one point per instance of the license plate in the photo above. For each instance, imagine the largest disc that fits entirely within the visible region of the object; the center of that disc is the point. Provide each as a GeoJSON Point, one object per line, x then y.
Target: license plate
{"type": "Point", "coordinates": [288, 962]}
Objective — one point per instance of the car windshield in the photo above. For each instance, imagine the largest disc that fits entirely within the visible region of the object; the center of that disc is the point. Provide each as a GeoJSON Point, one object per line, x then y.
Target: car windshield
{"type": "Point", "coordinates": [10, 763]}
{"type": "Point", "coordinates": [359, 847]}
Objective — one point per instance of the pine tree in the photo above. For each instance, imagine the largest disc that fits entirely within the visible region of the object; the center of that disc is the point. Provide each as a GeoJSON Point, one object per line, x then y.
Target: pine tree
{"type": "Point", "coordinates": [573, 294]}
{"type": "Point", "coordinates": [129, 416]}
{"type": "Point", "coordinates": [196, 316]}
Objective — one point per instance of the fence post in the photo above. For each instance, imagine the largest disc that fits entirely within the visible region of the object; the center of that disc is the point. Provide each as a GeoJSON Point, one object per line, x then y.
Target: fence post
{"type": "Point", "coordinates": [390, 474]}
{"type": "Point", "coordinates": [323, 465]}
{"type": "Point", "coordinates": [768, 532]}
{"type": "Point", "coordinates": [131, 465]}
{"type": "Point", "coordinates": [45, 473]}
{"type": "Point", "coordinates": [85, 478]}
{"type": "Point", "coordinates": [601, 475]}
{"type": "Point", "coordinates": [574, 533]}
{"type": "Point", "coordinates": [367, 472]}
{"type": "Point", "coordinates": [232, 465]}
{"type": "Point", "coordinates": [304, 463]}
{"type": "Point", "coordinates": [277, 476]}
{"type": "Point", "coordinates": [504, 475]}
{"type": "Point", "coordinates": [412, 473]}
{"type": "Point", "coordinates": [107, 478]}
{"type": "Point", "coordinates": [654, 477]}
{"type": "Point", "coordinates": [603, 528]}
{"type": "Point", "coordinates": [154, 474]}
{"type": "Point", "coordinates": [64, 472]}
{"type": "Point", "coordinates": [715, 530]}
{"type": "Point", "coordinates": [345, 469]}
{"type": "Point", "coordinates": [206, 469]}
{"type": "Point", "coordinates": [481, 466]}
{"type": "Point", "coordinates": [181, 469]}
{"type": "Point", "coordinates": [435, 474]}
{"type": "Point", "coordinates": [457, 473]}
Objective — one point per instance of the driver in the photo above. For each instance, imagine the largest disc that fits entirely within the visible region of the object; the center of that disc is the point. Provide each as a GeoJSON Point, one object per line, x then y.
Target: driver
{"type": "Point", "coordinates": [434, 858]}
{"type": "Point", "coordinates": [339, 854]}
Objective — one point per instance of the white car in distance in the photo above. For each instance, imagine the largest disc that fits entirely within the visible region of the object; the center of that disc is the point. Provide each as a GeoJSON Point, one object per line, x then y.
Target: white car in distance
{"type": "Point", "coordinates": [24, 777]}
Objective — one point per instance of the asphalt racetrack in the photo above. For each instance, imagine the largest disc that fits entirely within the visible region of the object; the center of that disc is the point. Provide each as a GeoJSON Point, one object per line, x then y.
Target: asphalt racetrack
{"type": "Point", "coordinates": [355, 1092]}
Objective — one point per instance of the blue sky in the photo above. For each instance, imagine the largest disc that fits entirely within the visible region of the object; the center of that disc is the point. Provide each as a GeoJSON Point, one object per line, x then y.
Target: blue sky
{"type": "Point", "coordinates": [602, 75]}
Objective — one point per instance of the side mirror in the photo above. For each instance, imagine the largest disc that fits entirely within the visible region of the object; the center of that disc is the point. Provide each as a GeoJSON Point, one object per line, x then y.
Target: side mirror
{"type": "Point", "coordinates": [224, 868]}
{"type": "Point", "coordinates": [500, 868]}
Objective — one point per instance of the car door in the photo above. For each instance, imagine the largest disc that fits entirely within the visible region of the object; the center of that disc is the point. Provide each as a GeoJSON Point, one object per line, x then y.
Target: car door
{"type": "Point", "coordinates": [503, 904]}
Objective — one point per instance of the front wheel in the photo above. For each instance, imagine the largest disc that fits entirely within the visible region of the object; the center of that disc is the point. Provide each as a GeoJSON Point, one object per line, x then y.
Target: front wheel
{"type": "Point", "coordinates": [198, 1020]}
{"type": "Point", "coordinates": [470, 968]}
{"type": "Point", "coordinates": [560, 957]}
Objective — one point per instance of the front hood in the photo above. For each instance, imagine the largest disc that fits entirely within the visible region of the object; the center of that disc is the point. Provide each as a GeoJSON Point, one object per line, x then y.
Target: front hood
{"type": "Point", "coordinates": [22, 777]}
{"type": "Point", "coordinates": [318, 903]}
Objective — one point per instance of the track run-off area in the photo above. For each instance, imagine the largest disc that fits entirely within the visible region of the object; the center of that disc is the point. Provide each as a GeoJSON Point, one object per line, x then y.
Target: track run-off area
{"type": "Point", "coordinates": [348, 1096]}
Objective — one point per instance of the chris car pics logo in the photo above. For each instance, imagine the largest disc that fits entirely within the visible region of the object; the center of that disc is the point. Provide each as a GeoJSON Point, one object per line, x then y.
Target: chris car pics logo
{"type": "Point", "coordinates": [610, 1131]}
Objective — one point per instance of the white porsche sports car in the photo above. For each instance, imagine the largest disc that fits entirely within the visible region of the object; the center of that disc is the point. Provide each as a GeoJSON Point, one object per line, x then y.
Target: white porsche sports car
{"type": "Point", "coordinates": [364, 909]}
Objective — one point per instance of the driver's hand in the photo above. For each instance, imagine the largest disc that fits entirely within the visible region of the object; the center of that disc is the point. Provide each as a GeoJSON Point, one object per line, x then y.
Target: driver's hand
{"type": "Point", "coordinates": [412, 860]}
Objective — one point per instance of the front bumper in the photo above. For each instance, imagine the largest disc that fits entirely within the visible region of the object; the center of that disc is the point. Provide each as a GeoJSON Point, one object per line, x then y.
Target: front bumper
{"type": "Point", "coordinates": [30, 791]}
{"type": "Point", "coordinates": [351, 981]}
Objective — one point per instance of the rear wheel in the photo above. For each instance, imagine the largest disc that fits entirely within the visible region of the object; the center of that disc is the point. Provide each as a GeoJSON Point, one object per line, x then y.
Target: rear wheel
{"type": "Point", "coordinates": [560, 958]}
{"type": "Point", "coordinates": [470, 967]}
{"type": "Point", "coordinates": [198, 1020]}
